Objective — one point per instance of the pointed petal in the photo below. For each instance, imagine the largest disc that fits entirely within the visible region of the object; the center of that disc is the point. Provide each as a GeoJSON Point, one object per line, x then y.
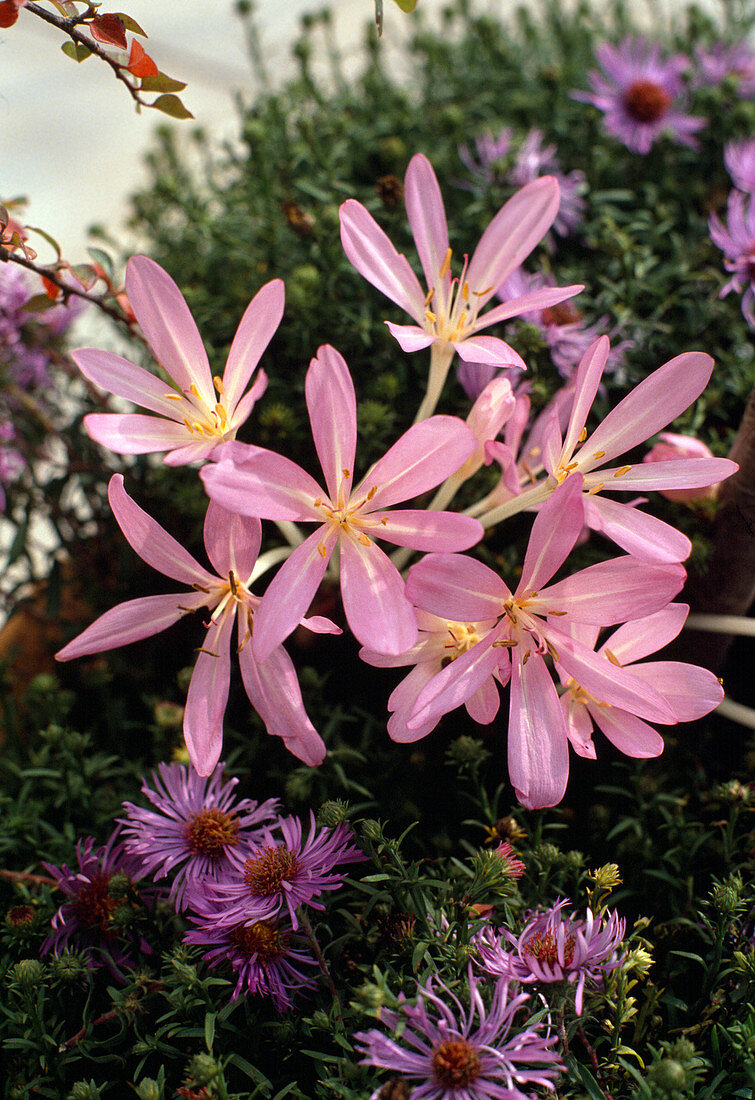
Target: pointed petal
{"type": "Point", "coordinates": [256, 329]}
{"type": "Point", "coordinates": [538, 743]}
{"type": "Point", "coordinates": [658, 400]}
{"type": "Point", "coordinates": [403, 700]}
{"type": "Point", "coordinates": [130, 622]}
{"type": "Point", "coordinates": [411, 337]}
{"type": "Point", "coordinates": [554, 532]}
{"type": "Point", "coordinates": [243, 410]}
{"type": "Point", "coordinates": [456, 683]}
{"type": "Point", "coordinates": [135, 433]}
{"type": "Point", "coordinates": [332, 408]}
{"type": "Point", "coordinates": [636, 639]}
{"type": "Point", "coordinates": [586, 382]}
{"type": "Point", "coordinates": [456, 587]}
{"type": "Point", "coordinates": [166, 321]}
{"type": "Point", "coordinates": [488, 351]}
{"type": "Point", "coordinates": [374, 257]}
{"type": "Point", "coordinates": [374, 602]}
{"type": "Point", "coordinates": [578, 727]}
{"type": "Point", "coordinates": [515, 230]}
{"type": "Point", "coordinates": [266, 485]}
{"type": "Point", "coordinates": [427, 218]}
{"type": "Point", "coordinates": [116, 375]}
{"type": "Point", "coordinates": [422, 458]}
{"type": "Point", "coordinates": [424, 529]}
{"type": "Point", "coordinates": [628, 733]}
{"type": "Point", "coordinates": [690, 690]}
{"type": "Point", "coordinates": [232, 541]}
{"type": "Point", "coordinates": [634, 531]}
{"type": "Point", "coordinates": [207, 697]}
{"type": "Point", "coordinates": [192, 452]}
{"type": "Point", "coordinates": [613, 591]}
{"type": "Point", "coordinates": [682, 473]}
{"type": "Point", "coordinates": [151, 542]}
{"type": "Point", "coordinates": [274, 692]}
{"type": "Point", "coordinates": [482, 707]}
{"type": "Point", "coordinates": [290, 592]}
{"type": "Point", "coordinates": [536, 300]}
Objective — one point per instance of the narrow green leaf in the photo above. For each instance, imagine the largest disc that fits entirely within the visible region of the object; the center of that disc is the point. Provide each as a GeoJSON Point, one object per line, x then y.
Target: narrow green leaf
{"type": "Point", "coordinates": [171, 105]}
{"type": "Point", "coordinates": [38, 303]}
{"type": "Point", "coordinates": [209, 1029]}
{"type": "Point", "coordinates": [162, 83]}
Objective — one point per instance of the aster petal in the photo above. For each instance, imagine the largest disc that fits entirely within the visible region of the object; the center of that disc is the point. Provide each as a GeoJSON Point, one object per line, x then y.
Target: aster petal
{"type": "Point", "coordinates": [456, 587]}
{"type": "Point", "coordinates": [411, 337]}
{"type": "Point", "coordinates": [536, 300]}
{"type": "Point", "coordinates": [135, 433]}
{"type": "Point", "coordinates": [117, 375]}
{"type": "Point", "coordinates": [256, 329]}
{"type": "Point", "coordinates": [425, 529]}
{"type": "Point", "coordinates": [332, 406]}
{"type": "Point", "coordinates": [207, 696]}
{"type": "Point", "coordinates": [628, 733]}
{"type": "Point", "coordinates": [422, 458]}
{"type": "Point", "coordinates": [291, 591]}
{"type": "Point", "coordinates": [427, 217]}
{"type": "Point", "coordinates": [151, 542]}
{"type": "Point", "coordinates": [130, 622]}
{"type": "Point", "coordinates": [518, 226]}
{"type": "Point", "coordinates": [376, 607]}
{"type": "Point", "coordinates": [538, 745]}
{"type": "Point", "coordinates": [554, 532]}
{"type": "Point", "coordinates": [690, 690]}
{"type": "Point", "coordinates": [681, 473]}
{"type": "Point", "coordinates": [613, 591]}
{"type": "Point", "coordinates": [232, 541]}
{"type": "Point", "coordinates": [372, 254]}
{"type": "Point", "coordinates": [266, 485]}
{"type": "Point", "coordinates": [636, 639]}
{"type": "Point", "coordinates": [634, 531]}
{"type": "Point", "coordinates": [488, 351]}
{"type": "Point", "coordinates": [166, 321]}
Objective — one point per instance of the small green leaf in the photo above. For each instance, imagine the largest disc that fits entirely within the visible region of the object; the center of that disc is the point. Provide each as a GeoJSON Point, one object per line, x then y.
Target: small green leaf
{"type": "Point", "coordinates": [131, 24]}
{"type": "Point", "coordinates": [171, 105]}
{"type": "Point", "coordinates": [162, 83]}
{"type": "Point", "coordinates": [209, 1029]}
{"type": "Point", "coordinates": [46, 236]}
{"type": "Point", "coordinates": [407, 5]}
{"type": "Point", "coordinates": [103, 259]}
{"type": "Point", "coordinates": [38, 303]}
{"type": "Point", "coordinates": [76, 51]}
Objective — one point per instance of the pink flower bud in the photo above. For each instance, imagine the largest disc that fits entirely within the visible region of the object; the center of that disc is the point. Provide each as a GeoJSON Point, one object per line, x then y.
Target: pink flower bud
{"type": "Point", "coordinates": [674, 447]}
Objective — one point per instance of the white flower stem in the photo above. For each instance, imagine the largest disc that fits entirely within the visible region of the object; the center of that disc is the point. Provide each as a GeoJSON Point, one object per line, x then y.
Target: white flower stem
{"type": "Point", "coordinates": [722, 624]}
{"type": "Point", "coordinates": [268, 560]}
{"type": "Point", "coordinates": [441, 355]}
{"type": "Point", "coordinates": [745, 716]}
{"type": "Point", "coordinates": [536, 495]}
{"type": "Point", "coordinates": [290, 532]}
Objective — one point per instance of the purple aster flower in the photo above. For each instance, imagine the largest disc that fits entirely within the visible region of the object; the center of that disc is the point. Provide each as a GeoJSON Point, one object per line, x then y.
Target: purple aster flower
{"type": "Point", "coordinates": [449, 1053]}
{"type": "Point", "coordinates": [736, 239]}
{"type": "Point", "coordinates": [279, 871]}
{"type": "Point", "coordinates": [640, 93]}
{"type": "Point", "coordinates": [534, 160]}
{"type": "Point", "coordinates": [198, 827]}
{"type": "Point", "coordinates": [490, 151]}
{"type": "Point", "coordinates": [556, 947]}
{"type": "Point", "coordinates": [739, 157]}
{"type": "Point", "coordinates": [262, 954]}
{"type": "Point", "coordinates": [102, 902]}
{"type": "Point", "coordinates": [722, 61]}
{"type": "Point", "coordinates": [25, 338]}
{"type": "Point", "coordinates": [12, 461]}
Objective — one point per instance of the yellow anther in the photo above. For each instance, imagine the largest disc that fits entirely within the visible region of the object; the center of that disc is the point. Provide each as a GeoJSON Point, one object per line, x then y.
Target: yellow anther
{"type": "Point", "coordinates": [549, 612]}
{"type": "Point", "coordinates": [193, 389]}
{"type": "Point", "coordinates": [612, 658]}
{"type": "Point", "coordinates": [199, 588]}
{"type": "Point", "coordinates": [445, 267]}
{"type": "Point", "coordinates": [188, 425]}
{"type": "Point", "coordinates": [209, 652]}
{"type": "Point", "coordinates": [465, 291]}
{"type": "Point", "coordinates": [535, 452]}
{"type": "Point", "coordinates": [506, 643]}
{"type": "Point", "coordinates": [526, 657]}
{"type": "Point", "coordinates": [372, 492]}
{"type": "Point", "coordinates": [222, 415]}
{"type": "Point", "coordinates": [199, 427]}
{"type": "Point", "coordinates": [384, 521]}
{"type": "Point", "coordinates": [173, 396]}
{"type": "Point", "coordinates": [430, 316]}
{"type": "Point", "coordinates": [530, 473]}
{"type": "Point", "coordinates": [479, 293]}
{"type": "Point", "coordinates": [582, 436]}
{"type": "Point", "coordinates": [361, 537]}
{"type": "Point", "coordinates": [552, 650]}
{"type": "Point", "coordinates": [345, 472]}
{"type": "Point", "coordinates": [596, 489]}
{"type": "Point", "coordinates": [317, 503]}
{"type": "Point", "coordinates": [428, 296]}
{"type": "Point", "coordinates": [232, 581]}
{"type": "Point", "coordinates": [218, 384]}
{"type": "Point", "coordinates": [622, 470]}
{"type": "Point", "coordinates": [571, 466]}
{"type": "Point", "coordinates": [598, 454]}
{"type": "Point", "coordinates": [322, 551]}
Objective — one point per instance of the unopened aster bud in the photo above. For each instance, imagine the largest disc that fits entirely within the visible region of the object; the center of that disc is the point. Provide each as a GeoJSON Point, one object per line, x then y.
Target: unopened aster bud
{"type": "Point", "coordinates": [372, 830]}
{"type": "Point", "coordinates": [725, 895]}
{"type": "Point", "coordinates": [28, 973]}
{"type": "Point", "coordinates": [203, 1069]}
{"type": "Point", "coordinates": [69, 966]}
{"type": "Point", "coordinates": [466, 751]}
{"type": "Point", "coordinates": [333, 812]}
{"type": "Point", "coordinates": [84, 1090]}
{"type": "Point", "coordinates": [547, 853]}
{"type": "Point", "coordinates": [370, 998]}
{"type": "Point", "coordinates": [375, 417]}
{"type": "Point", "coordinates": [20, 916]}
{"type": "Point", "coordinates": [277, 419]}
{"type": "Point", "coordinates": [395, 1089]}
{"type": "Point", "coordinates": [148, 1089]}
{"type": "Point", "coordinates": [168, 716]}
{"type": "Point", "coordinates": [639, 960]}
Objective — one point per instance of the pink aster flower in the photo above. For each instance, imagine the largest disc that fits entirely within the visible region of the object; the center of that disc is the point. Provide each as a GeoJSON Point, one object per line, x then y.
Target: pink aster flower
{"type": "Point", "coordinates": [232, 544]}
{"type": "Point", "coordinates": [448, 314]}
{"type": "Point", "coordinates": [641, 95]}
{"type": "Point", "coordinates": [198, 411]}
{"type": "Point", "coordinates": [610, 592]}
{"type": "Point", "coordinates": [736, 239]}
{"type": "Point", "coordinates": [197, 829]}
{"type": "Point", "coordinates": [447, 1052]}
{"type": "Point", "coordinates": [489, 153]}
{"type": "Point", "coordinates": [556, 947]}
{"type": "Point", "coordinates": [282, 870]}
{"type": "Point", "coordinates": [724, 60]}
{"type": "Point", "coordinates": [261, 483]}
{"type": "Point", "coordinates": [533, 159]}
{"type": "Point", "coordinates": [264, 954]}
{"type": "Point", "coordinates": [739, 158]}
{"type": "Point", "coordinates": [690, 691]}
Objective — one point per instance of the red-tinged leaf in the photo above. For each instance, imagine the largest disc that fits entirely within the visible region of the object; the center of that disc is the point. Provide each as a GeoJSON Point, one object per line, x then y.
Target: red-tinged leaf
{"type": "Point", "coordinates": [77, 51]}
{"type": "Point", "coordinates": [131, 24]}
{"type": "Point", "coordinates": [85, 274]}
{"type": "Point", "coordinates": [171, 105]}
{"type": "Point", "coordinates": [39, 302]}
{"type": "Point", "coordinates": [8, 13]}
{"type": "Point", "coordinates": [162, 83]}
{"type": "Point", "coordinates": [52, 290]}
{"type": "Point", "coordinates": [140, 63]}
{"type": "Point", "coordinates": [110, 29]}
{"type": "Point", "coordinates": [102, 260]}
{"type": "Point", "coordinates": [46, 236]}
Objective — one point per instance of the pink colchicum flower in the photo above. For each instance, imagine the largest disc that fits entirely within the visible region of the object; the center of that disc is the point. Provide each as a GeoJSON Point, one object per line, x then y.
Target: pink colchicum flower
{"type": "Point", "coordinates": [605, 594]}
{"type": "Point", "coordinates": [739, 158]}
{"type": "Point", "coordinates": [202, 411]}
{"type": "Point", "coordinates": [232, 545]}
{"type": "Point", "coordinates": [640, 95]}
{"type": "Point", "coordinates": [447, 314]}
{"type": "Point", "coordinates": [672, 446]}
{"type": "Point", "coordinates": [691, 691]}
{"type": "Point", "coordinates": [556, 947]}
{"type": "Point", "coordinates": [736, 239]}
{"type": "Point", "coordinates": [261, 483]}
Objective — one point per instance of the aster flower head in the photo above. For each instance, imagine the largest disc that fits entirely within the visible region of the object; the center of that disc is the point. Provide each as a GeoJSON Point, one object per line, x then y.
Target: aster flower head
{"type": "Point", "coordinates": [739, 158]}
{"type": "Point", "coordinates": [736, 239]}
{"type": "Point", "coordinates": [282, 871]}
{"type": "Point", "coordinates": [199, 410]}
{"type": "Point", "coordinates": [102, 904]}
{"type": "Point", "coordinates": [533, 160]}
{"type": "Point", "coordinates": [490, 151]}
{"type": "Point", "coordinates": [641, 95]}
{"type": "Point", "coordinates": [724, 60]}
{"type": "Point", "coordinates": [555, 946]}
{"type": "Point", "coordinates": [264, 954]}
{"type": "Point", "coordinates": [198, 830]}
{"type": "Point", "coordinates": [448, 1052]}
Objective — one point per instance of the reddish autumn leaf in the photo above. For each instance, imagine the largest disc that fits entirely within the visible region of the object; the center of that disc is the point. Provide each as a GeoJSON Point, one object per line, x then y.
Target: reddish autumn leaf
{"type": "Point", "coordinates": [9, 11]}
{"type": "Point", "coordinates": [51, 289]}
{"type": "Point", "coordinates": [139, 61]}
{"type": "Point", "coordinates": [109, 29]}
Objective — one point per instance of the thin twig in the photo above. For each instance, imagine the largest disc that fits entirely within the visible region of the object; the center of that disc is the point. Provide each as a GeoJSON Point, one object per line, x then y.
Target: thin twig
{"type": "Point", "coordinates": [24, 876]}
{"type": "Point", "coordinates": [304, 921]}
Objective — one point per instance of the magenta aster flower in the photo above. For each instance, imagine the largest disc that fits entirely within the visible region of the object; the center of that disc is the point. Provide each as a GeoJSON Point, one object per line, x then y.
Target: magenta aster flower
{"type": "Point", "coordinates": [556, 947]}
{"type": "Point", "coordinates": [261, 483]}
{"type": "Point", "coordinates": [641, 95]}
{"type": "Point", "coordinates": [264, 955]}
{"type": "Point", "coordinates": [198, 827]}
{"type": "Point", "coordinates": [736, 239]}
{"type": "Point", "coordinates": [724, 60]}
{"type": "Point", "coordinates": [739, 158]}
{"type": "Point", "coordinates": [198, 411]}
{"type": "Point", "coordinates": [280, 871]}
{"type": "Point", "coordinates": [102, 904]}
{"type": "Point", "coordinates": [232, 544]}
{"type": "Point", "coordinates": [447, 1052]}
{"type": "Point", "coordinates": [533, 160]}
{"type": "Point", "coordinates": [490, 151]}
